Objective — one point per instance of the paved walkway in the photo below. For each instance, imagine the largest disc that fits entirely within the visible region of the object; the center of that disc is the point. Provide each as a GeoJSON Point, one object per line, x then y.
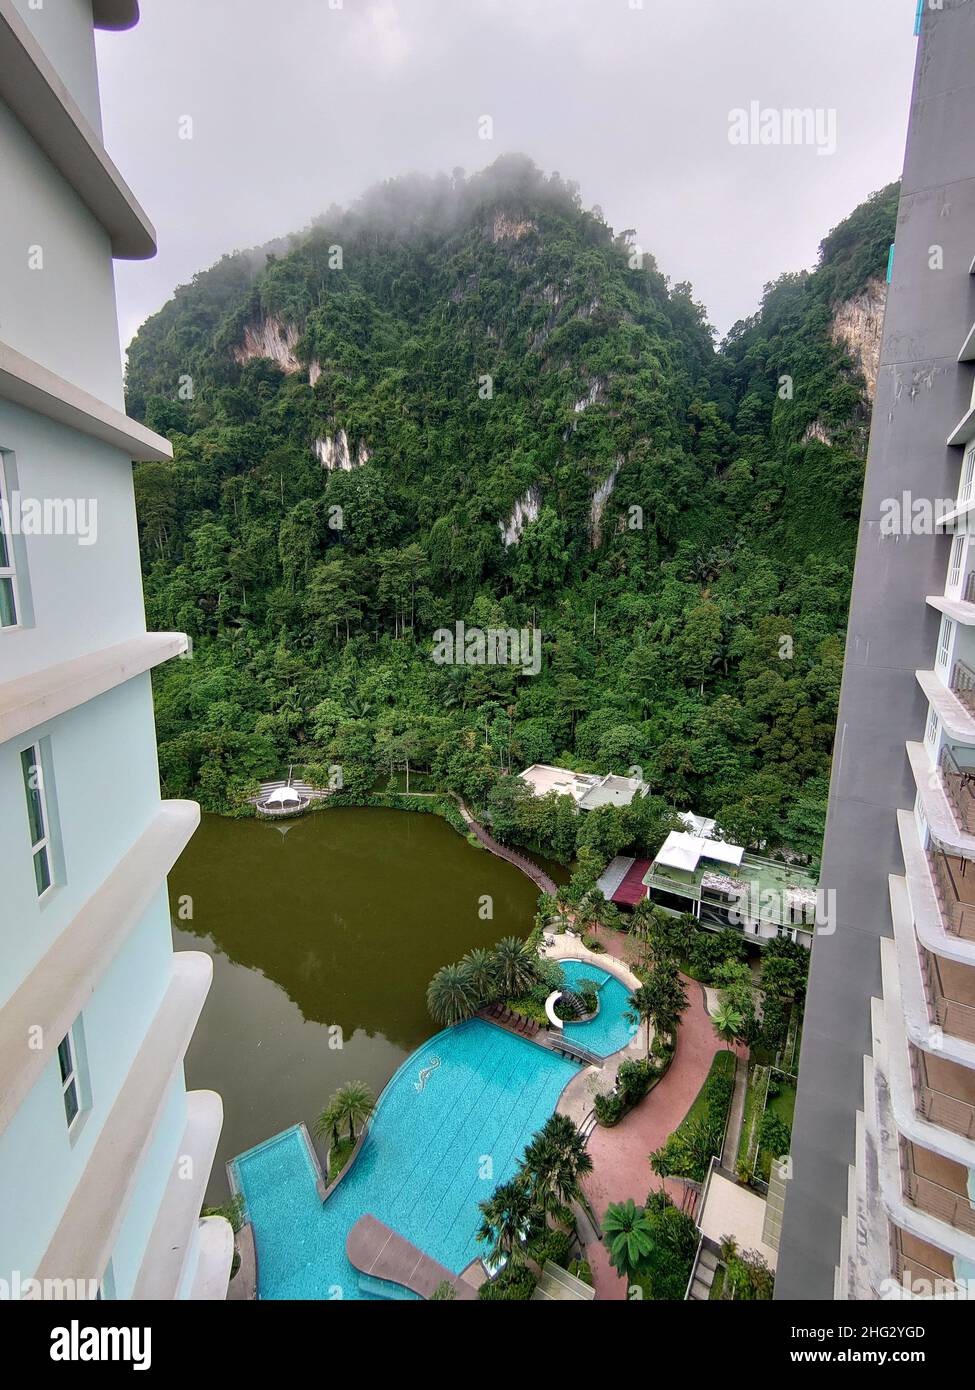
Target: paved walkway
{"type": "Point", "coordinates": [620, 1155]}
{"type": "Point", "coordinates": [533, 871]}
{"type": "Point", "coordinates": [381, 1253]}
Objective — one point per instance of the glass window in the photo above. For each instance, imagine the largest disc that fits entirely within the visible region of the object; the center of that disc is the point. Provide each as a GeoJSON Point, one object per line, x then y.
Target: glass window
{"type": "Point", "coordinates": [69, 1079]}
{"type": "Point", "coordinates": [944, 641]}
{"type": "Point", "coordinates": [30, 761]}
{"type": "Point", "coordinates": [954, 563]}
{"type": "Point", "coordinates": [8, 579]}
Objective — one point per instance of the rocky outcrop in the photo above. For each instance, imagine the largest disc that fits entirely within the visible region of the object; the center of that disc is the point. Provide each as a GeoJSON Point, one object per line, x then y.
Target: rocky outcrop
{"type": "Point", "coordinates": [597, 389]}
{"type": "Point", "coordinates": [818, 431]}
{"type": "Point", "coordinates": [598, 504]}
{"type": "Point", "coordinates": [333, 452]}
{"type": "Point", "coordinates": [858, 324]}
{"type": "Point", "coordinates": [314, 371]}
{"type": "Point", "coordinates": [507, 227]}
{"type": "Point", "coordinates": [523, 513]}
{"type": "Point", "coordinates": [269, 337]}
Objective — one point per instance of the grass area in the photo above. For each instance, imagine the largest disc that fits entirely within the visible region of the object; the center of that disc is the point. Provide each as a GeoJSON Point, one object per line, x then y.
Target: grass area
{"type": "Point", "coordinates": [722, 1064]}
{"type": "Point", "coordinates": [339, 1156]}
{"type": "Point", "coordinates": [754, 1105]}
{"type": "Point", "coordinates": [783, 1105]}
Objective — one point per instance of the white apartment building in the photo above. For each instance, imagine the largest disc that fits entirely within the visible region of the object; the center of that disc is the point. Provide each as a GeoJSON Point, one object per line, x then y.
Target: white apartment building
{"type": "Point", "coordinates": [104, 1156]}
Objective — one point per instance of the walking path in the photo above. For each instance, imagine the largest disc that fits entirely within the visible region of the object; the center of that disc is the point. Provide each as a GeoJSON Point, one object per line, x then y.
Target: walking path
{"type": "Point", "coordinates": [620, 1155]}
{"type": "Point", "coordinates": [536, 874]}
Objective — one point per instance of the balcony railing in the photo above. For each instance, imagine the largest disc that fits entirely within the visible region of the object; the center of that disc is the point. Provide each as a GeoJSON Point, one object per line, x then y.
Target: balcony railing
{"type": "Point", "coordinates": [958, 779]}
{"type": "Point", "coordinates": [963, 684]}
{"type": "Point", "coordinates": [947, 1111]}
{"type": "Point", "coordinates": [913, 1274]}
{"type": "Point", "coordinates": [952, 891]}
{"type": "Point", "coordinates": [957, 1019]}
{"type": "Point", "coordinates": [940, 1202]}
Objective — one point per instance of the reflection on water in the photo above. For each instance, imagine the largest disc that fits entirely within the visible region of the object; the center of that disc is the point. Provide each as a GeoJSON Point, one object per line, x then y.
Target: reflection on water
{"type": "Point", "coordinates": [324, 934]}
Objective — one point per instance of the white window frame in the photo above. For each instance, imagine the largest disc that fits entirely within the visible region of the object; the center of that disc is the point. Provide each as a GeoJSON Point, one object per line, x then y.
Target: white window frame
{"type": "Point", "coordinates": [74, 1078]}
{"type": "Point", "coordinates": [42, 846]}
{"type": "Point", "coordinates": [955, 561]}
{"type": "Point", "coordinates": [934, 728]}
{"type": "Point", "coordinates": [945, 638]}
{"type": "Point", "coordinates": [967, 474]}
{"type": "Point", "coordinates": [9, 570]}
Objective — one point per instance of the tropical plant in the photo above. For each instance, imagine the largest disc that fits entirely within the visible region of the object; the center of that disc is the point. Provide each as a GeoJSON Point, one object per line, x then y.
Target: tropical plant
{"type": "Point", "coordinates": [728, 1023]}
{"type": "Point", "coordinates": [508, 1217]}
{"type": "Point", "coordinates": [554, 1163]}
{"type": "Point", "coordinates": [444, 1292]}
{"type": "Point", "coordinates": [628, 1235]}
{"type": "Point", "coordinates": [515, 965]}
{"type": "Point", "coordinates": [352, 1104]}
{"type": "Point", "coordinates": [482, 973]}
{"type": "Point", "coordinates": [450, 995]}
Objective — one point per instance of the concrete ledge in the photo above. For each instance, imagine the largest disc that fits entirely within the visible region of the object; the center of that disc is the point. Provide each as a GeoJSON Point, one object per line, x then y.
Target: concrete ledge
{"type": "Point", "coordinates": [917, 1021]}
{"type": "Point", "coordinates": [91, 1221]}
{"type": "Point", "coordinates": [925, 909]}
{"type": "Point", "coordinates": [29, 384]}
{"type": "Point", "coordinates": [31, 87]}
{"type": "Point", "coordinates": [947, 706]}
{"type": "Point", "coordinates": [214, 1258]}
{"type": "Point", "coordinates": [890, 1042]}
{"type": "Point", "coordinates": [31, 700]}
{"type": "Point", "coordinates": [937, 808]}
{"type": "Point", "coordinates": [379, 1252]}
{"type": "Point", "coordinates": [172, 1236]}
{"type": "Point", "coordinates": [59, 986]}
{"type": "Point", "coordinates": [955, 608]}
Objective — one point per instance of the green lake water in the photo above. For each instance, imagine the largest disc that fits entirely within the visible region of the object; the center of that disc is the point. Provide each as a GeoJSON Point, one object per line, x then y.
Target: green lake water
{"type": "Point", "coordinates": [325, 930]}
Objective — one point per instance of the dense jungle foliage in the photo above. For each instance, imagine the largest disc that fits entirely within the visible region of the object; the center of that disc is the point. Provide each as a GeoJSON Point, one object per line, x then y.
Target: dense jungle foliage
{"type": "Point", "coordinates": [482, 342]}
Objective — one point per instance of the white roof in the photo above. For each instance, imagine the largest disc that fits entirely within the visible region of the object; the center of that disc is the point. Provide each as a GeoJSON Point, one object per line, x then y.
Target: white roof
{"type": "Point", "coordinates": [697, 825]}
{"type": "Point", "coordinates": [283, 794]}
{"type": "Point", "coordinates": [683, 851]}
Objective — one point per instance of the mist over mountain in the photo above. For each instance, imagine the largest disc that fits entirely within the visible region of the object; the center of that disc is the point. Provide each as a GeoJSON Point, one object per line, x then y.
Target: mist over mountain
{"type": "Point", "coordinates": [469, 400]}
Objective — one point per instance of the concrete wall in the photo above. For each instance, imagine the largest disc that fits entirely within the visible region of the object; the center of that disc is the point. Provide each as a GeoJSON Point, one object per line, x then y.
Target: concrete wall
{"type": "Point", "coordinates": [63, 28]}
{"type": "Point", "coordinates": [83, 597]}
{"type": "Point", "coordinates": [40, 1163]}
{"type": "Point", "coordinates": [921, 394]}
{"type": "Point", "coordinates": [62, 315]}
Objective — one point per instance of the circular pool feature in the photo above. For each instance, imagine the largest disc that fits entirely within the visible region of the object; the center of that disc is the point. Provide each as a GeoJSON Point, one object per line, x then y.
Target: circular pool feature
{"type": "Point", "coordinates": [610, 1029]}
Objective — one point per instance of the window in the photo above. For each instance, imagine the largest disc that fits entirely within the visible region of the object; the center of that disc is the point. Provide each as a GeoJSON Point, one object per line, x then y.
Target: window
{"type": "Point", "coordinates": [944, 642]}
{"type": "Point", "coordinates": [8, 579]}
{"type": "Point", "coordinates": [40, 839]}
{"type": "Point", "coordinates": [967, 475]}
{"type": "Point", "coordinates": [933, 729]}
{"type": "Point", "coordinates": [71, 1061]}
{"type": "Point", "coordinates": [954, 563]}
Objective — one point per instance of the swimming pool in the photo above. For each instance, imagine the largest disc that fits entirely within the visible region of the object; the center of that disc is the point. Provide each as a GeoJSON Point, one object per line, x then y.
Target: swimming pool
{"type": "Point", "coordinates": [609, 1030]}
{"type": "Point", "coordinates": [452, 1124]}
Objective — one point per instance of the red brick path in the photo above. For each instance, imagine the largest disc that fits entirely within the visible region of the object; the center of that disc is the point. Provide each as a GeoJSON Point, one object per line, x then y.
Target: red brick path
{"type": "Point", "coordinates": [620, 1155]}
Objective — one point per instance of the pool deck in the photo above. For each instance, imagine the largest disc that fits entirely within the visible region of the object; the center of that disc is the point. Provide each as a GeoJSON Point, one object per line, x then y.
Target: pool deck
{"type": "Point", "coordinates": [376, 1250]}
{"type": "Point", "coordinates": [579, 1095]}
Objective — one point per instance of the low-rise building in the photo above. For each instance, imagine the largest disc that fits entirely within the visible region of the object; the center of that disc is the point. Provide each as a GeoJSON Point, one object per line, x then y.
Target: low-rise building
{"type": "Point", "coordinates": [588, 790]}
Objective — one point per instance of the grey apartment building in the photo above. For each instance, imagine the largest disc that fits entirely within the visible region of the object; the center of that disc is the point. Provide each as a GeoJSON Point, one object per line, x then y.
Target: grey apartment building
{"type": "Point", "coordinates": [881, 1203]}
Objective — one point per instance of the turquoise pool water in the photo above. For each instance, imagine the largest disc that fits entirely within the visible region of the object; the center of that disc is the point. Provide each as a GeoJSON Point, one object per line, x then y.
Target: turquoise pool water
{"type": "Point", "coordinates": [452, 1124]}
{"type": "Point", "coordinates": [609, 1030]}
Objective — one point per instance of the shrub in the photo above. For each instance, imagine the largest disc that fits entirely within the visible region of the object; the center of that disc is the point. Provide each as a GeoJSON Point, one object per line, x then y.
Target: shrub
{"type": "Point", "coordinates": [551, 1245]}
{"type": "Point", "coordinates": [510, 1286]}
{"type": "Point", "coordinates": [582, 1270]}
{"type": "Point", "coordinates": [608, 1106]}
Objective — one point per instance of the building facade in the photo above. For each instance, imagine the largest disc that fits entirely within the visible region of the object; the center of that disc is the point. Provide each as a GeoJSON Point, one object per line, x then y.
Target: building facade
{"type": "Point", "coordinates": [104, 1157]}
{"type": "Point", "coordinates": [881, 1203]}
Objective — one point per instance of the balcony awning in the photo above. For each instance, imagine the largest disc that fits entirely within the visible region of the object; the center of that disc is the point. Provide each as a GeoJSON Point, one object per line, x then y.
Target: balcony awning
{"type": "Point", "coordinates": [683, 851]}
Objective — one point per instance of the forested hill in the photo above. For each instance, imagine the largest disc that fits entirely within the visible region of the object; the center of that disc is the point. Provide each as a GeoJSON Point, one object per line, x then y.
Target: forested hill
{"type": "Point", "coordinates": [466, 399]}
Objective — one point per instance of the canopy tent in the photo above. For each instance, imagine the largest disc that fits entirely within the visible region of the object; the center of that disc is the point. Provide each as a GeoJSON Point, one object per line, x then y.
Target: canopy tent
{"type": "Point", "coordinates": [683, 851]}
{"type": "Point", "coordinates": [282, 796]}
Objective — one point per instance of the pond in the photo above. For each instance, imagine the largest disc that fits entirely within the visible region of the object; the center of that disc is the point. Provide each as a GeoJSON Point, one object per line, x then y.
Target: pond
{"type": "Point", "coordinates": [324, 933]}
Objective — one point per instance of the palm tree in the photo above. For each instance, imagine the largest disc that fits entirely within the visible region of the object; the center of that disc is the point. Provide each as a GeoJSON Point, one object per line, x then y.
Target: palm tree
{"type": "Point", "coordinates": [665, 997]}
{"type": "Point", "coordinates": [352, 1104]}
{"type": "Point", "coordinates": [515, 965]}
{"type": "Point", "coordinates": [507, 1218]}
{"type": "Point", "coordinates": [327, 1124]}
{"type": "Point", "coordinates": [628, 1235]}
{"type": "Point", "coordinates": [482, 973]}
{"type": "Point", "coordinates": [554, 1163]}
{"type": "Point", "coordinates": [728, 1023]}
{"type": "Point", "coordinates": [450, 995]}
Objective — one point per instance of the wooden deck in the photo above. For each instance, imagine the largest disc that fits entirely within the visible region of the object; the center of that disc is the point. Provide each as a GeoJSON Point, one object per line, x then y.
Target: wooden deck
{"type": "Point", "coordinates": [380, 1253]}
{"type": "Point", "coordinates": [538, 875]}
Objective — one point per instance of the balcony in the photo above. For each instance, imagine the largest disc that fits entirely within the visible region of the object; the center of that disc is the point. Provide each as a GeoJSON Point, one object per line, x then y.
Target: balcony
{"type": "Point", "coordinates": [958, 779]}
{"type": "Point", "coordinates": [962, 685]}
{"type": "Point", "coordinates": [921, 1267]}
{"type": "Point", "coordinates": [954, 886]}
{"type": "Point", "coordinates": [937, 1186]}
{"type": "Point", "coordinates": [950, 991]}
{"type": "Point", "coordinates": [944, 1092]}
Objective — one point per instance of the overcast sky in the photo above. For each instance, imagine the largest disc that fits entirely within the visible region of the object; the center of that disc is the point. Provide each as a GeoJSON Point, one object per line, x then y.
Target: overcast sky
{"type": "Point", "coordinates": [296, 105]}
